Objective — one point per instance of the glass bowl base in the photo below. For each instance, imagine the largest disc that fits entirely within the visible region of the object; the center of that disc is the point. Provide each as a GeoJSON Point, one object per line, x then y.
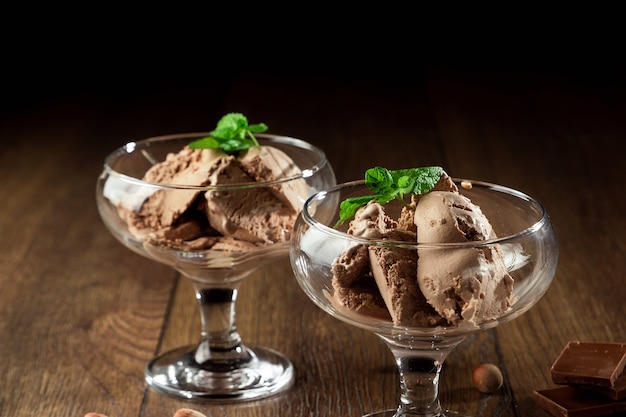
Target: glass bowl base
{"type": "Point", "coordinates": [176, 373]}
{"type": "Point", "coordinates": [393, 413]}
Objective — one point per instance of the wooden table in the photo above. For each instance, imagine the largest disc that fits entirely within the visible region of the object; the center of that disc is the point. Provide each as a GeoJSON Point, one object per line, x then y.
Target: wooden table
{"type": "Point", "coordinates": [80, 315]}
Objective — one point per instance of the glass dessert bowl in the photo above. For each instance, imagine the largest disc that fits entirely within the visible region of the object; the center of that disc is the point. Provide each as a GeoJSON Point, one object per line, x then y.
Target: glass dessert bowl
{"type": "Point", "coordinates": [393, 287]}
{"type": "Point", "coordinates": [216, 236]}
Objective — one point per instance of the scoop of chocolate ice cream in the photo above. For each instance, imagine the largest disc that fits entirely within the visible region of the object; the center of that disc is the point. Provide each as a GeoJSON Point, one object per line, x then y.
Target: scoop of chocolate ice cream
{"type": "Point", "coordinates": [469, 284]}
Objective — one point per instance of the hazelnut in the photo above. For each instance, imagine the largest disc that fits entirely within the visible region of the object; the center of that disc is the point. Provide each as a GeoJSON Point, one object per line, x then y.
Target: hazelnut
{"type": "Point", "coordinates": [187, 412]}
{"type": "Point", "coordinates": [487, 378]}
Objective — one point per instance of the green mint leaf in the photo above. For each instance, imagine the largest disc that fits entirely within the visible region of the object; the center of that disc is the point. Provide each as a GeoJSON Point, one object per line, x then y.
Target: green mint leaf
{"type": "Point", "coordinates": [257, 128]}
{"type": "Point", "coordinates": [231, 134]}
{"type": "Point", "coordinates": [349, 207]}
{"type": "Point", "coordinates": [205, 143]}
{"type": "Point", "coordinates": [379, 180]}
{"type": "Point", "coordinates": [230, 125]}
{"type": "Point", "coordinates": [388, 185]}
{"type": "Point", "coordinates": [425, 179]}
{"type": "Point", "coordinates": [404, 185]}
{"type": "Point", "coordinates": [234, 145]}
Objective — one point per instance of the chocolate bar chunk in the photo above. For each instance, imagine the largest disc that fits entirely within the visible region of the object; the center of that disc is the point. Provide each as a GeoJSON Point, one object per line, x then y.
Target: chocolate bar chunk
{"type": "Point", "coordinates": [589, 363]}
{"type": "Point", "coordinates": [616, 392]}
{"type": "Point", "coordinates": [573, 402]}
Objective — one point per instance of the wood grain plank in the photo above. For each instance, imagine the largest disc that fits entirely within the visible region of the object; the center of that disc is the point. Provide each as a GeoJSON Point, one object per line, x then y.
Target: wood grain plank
{"type": "Point", "coordinates": [79, 313]}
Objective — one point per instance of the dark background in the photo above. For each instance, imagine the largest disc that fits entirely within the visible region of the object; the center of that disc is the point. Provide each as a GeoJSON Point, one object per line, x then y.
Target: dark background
{"type": "Point", "coordinates": [313, 74]}
{"type": "Point", "coordinates": [121, 54]}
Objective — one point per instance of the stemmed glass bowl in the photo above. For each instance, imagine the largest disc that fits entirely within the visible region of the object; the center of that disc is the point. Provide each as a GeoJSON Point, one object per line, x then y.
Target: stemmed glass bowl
{"type": "Point", "coordinates": [220, 367]}
{"type": "Point", "coordinates": [525, 237]}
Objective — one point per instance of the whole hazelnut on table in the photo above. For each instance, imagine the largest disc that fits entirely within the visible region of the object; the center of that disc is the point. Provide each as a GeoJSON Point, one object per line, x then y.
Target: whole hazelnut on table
{"type": "Point", "coordinates": [487, 378]}
{"type": "Point", "coordinates": [187, 412]}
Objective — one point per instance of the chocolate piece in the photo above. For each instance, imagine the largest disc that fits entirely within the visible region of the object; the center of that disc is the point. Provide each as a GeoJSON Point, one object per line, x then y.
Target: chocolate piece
{"type": "Point", "coordinates": [616, 392]}
{"type": "Point", "coordinates": [573, 402]}
{"type": "Point", "coordinates": [589, 363]}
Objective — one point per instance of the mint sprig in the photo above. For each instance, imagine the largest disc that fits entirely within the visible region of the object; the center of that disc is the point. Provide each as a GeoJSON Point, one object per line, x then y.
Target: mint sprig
{"type": "Point", "coordinates": [388, 185]}
{"type": "Point", "coordinates": [232, 134]}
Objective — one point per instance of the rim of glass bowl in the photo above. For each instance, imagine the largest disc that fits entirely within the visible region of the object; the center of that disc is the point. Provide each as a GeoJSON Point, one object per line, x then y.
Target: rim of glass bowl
{"type": "Point", "coordinates": [538, 225]}
{"type": "Point", "coordinates": [132, 146]}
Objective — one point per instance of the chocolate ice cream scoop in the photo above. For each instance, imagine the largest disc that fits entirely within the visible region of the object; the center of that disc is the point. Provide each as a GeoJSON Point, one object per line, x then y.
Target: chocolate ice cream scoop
{"type": "Point", "coordinates": [249, 214]}
{"type": "Point", "coordinates": [266, 163]}
{"type": "Point", "coordinates": [369, 278]}
{"type": "Point", "coordinates": [470, 284]}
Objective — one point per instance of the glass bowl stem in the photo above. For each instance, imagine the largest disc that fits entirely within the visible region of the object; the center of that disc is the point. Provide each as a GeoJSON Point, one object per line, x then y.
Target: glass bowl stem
{"type": "Point", "coordinates": [419, 363]}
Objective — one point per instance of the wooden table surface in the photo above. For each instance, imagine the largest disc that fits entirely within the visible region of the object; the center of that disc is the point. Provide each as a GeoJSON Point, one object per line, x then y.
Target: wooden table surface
{"type": "Point", "coordinates": [80, 315]}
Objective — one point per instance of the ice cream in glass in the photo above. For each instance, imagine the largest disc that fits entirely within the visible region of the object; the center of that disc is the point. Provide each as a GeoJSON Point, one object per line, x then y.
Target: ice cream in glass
{"type": "Point", "coordinates": [423, 260]}
{"type": "Point", "coordinates": [215, 206]}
